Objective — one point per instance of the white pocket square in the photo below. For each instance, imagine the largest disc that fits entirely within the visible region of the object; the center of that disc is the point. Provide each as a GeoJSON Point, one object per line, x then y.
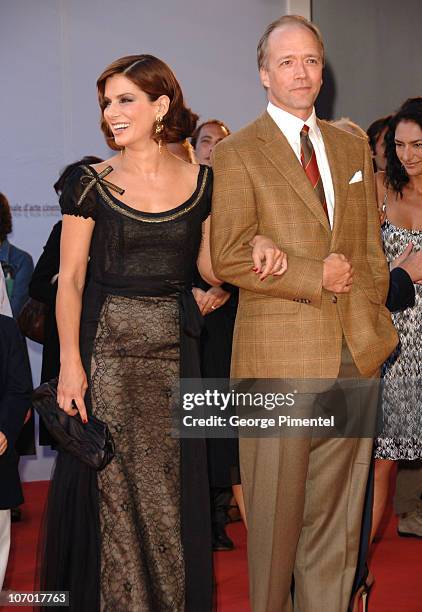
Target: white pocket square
{"type": "Point", "coordinates": [356, 178]}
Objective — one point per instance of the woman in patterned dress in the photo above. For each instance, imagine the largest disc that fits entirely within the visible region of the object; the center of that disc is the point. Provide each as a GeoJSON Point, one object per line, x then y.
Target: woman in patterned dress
{"type": "Point", "coordinates": [399, 193]}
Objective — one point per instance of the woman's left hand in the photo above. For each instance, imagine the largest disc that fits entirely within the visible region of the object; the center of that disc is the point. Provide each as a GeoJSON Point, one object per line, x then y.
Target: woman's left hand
{"type": "Point", "coordinates": [411, 262]}
{"type": "Point", "coordinates": [210, 300]}
{"type": "Point", "coordinates": [268, 259]}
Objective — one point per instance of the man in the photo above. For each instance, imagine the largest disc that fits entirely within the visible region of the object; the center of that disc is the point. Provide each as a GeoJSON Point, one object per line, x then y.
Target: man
{"type": "Point", "coordinates": [15, 397]}
{"type": "Point", "coordinates": [206, 136]}
{"type": "Point", "coordinates": [309, 187]}
{"type": "Point", "coordinates": [376, 134]}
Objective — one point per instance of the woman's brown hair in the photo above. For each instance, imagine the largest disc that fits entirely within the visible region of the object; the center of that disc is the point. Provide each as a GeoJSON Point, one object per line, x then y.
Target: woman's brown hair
{"type": "Point", "coordinates": [5, 218]}
{"type": "Point", "coordinates": [156, 79]}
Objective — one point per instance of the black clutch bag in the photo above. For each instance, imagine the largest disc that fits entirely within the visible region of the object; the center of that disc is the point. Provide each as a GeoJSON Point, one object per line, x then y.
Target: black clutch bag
{"type": "Point", "coordinates": [91, 443]}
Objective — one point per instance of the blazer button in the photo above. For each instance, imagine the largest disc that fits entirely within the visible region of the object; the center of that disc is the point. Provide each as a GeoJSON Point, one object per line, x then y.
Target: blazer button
{"type": "Point", "coordinates": [334, 299]}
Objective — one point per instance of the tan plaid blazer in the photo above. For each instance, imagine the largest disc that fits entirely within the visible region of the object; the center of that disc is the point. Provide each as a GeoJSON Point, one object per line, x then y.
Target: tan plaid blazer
{"type": "Point", "coordinates": [290, 326]}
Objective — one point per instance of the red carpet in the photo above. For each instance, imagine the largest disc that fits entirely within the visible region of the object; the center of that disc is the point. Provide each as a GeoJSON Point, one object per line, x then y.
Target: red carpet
{"type": "Point", "coordinates": [397, 563]}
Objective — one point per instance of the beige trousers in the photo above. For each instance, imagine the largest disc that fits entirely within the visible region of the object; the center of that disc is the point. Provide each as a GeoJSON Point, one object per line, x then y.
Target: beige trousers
{"type": "Point", "coordinates": [304, 501]}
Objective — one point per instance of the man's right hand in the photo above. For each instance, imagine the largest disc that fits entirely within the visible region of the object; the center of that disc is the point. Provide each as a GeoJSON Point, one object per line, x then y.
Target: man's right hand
{"type": "Point", "coordinates": [337, 275]}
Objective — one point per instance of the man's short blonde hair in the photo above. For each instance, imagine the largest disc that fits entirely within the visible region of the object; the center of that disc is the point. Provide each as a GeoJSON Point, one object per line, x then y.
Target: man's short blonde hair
{"type": "Point", "coordinates": [295, 20]}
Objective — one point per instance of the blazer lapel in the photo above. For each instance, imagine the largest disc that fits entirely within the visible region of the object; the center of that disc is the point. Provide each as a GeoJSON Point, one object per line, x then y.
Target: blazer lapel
{"type": "Point", "coordinates": [278, 151]}
{"type": "Point", "coordinates": [339, 167]}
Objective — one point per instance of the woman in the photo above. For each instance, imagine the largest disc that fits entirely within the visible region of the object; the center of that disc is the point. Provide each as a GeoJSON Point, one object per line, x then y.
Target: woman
{"type": "Point", "coordinates": [219, 307]}
{"type": "Point", "coordinates": [399, 193]}
{"type": "Point", "coordinates": [135, 536]}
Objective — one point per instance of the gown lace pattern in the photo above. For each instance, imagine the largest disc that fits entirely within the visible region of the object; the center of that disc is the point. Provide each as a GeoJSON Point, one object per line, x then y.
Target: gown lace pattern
{"type": "Point", "coordinates": [135, 363]}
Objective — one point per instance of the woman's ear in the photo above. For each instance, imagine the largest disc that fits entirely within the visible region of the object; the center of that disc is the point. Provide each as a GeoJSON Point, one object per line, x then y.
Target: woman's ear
{"type": "Point", "coordinates": [162, 105]}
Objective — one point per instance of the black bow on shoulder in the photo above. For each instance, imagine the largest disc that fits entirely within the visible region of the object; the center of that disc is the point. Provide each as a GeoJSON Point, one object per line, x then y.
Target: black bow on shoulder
{"type": "Point", "coordinates": [91, 179]}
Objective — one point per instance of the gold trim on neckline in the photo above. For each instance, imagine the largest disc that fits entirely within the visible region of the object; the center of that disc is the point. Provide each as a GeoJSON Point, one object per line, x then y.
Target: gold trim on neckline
{"type": "Point", "coordinates": [138, 215]}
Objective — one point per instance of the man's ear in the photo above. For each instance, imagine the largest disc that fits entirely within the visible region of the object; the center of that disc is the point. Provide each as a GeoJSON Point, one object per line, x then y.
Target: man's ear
{"type": "Point", "coordinates": [263, 75]}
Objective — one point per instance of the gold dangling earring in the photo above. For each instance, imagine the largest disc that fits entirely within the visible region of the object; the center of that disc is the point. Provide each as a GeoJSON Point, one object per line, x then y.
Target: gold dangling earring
{"type": "Point", "coordinates": [159, 127]}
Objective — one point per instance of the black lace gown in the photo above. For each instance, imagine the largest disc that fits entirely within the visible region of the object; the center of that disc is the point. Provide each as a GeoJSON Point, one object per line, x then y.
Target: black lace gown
{"type": "Point", "coordinates": [135, 536]}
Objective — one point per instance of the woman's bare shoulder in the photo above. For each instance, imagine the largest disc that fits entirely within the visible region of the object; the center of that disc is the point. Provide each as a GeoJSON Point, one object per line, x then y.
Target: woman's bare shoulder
{"type": "Point", "coordinates": [103, 165]}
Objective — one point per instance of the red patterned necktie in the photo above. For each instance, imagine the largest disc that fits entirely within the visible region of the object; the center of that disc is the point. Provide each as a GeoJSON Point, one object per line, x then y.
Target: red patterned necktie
{"type": "Point", "coordinates": [310, 165]}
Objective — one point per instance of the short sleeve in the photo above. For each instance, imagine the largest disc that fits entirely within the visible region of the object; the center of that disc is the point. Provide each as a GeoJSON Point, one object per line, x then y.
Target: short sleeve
{"type": "Point", "coordinates": [79, 195]}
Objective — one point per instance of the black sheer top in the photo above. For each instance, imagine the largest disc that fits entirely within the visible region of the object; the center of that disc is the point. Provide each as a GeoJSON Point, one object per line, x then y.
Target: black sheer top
{"type": "Point", "coordinates": [131, 248]}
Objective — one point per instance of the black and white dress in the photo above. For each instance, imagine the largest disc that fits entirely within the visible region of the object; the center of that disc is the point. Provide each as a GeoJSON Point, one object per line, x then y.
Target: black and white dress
{"type": "Point", "coordinates": [401, 434]}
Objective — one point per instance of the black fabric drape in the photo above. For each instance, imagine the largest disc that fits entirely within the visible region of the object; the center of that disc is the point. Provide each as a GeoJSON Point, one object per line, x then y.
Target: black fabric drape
{"type": "Point", "coordinates": [196, 525]}
{"type": "Point", "coordinates": [70, 545]}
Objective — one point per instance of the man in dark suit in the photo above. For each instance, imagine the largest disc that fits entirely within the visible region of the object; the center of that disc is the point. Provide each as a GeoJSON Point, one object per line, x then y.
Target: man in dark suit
{"type": "Point", "coordinates": [310, 188]}
{"type": "Point", "coordinates": [15, 398]}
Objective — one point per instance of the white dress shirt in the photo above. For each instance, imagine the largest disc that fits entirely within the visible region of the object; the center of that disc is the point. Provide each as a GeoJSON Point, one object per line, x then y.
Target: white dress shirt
{"type": "Point", "coordinates": [5, 308]}
{"type": "Point", "coordinates": [291, 127]}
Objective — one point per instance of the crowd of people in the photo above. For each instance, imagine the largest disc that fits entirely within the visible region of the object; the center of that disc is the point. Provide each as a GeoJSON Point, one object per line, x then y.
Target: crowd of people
{"type": "Point", "coordinates": [270, 253]}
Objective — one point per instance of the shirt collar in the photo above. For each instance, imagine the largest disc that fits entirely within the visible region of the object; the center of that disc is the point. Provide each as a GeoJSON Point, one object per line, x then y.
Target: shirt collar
{"type": "Point", "coordinates": [289, 124]}
{"type": "Point", "coordinates": [312, 122]}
